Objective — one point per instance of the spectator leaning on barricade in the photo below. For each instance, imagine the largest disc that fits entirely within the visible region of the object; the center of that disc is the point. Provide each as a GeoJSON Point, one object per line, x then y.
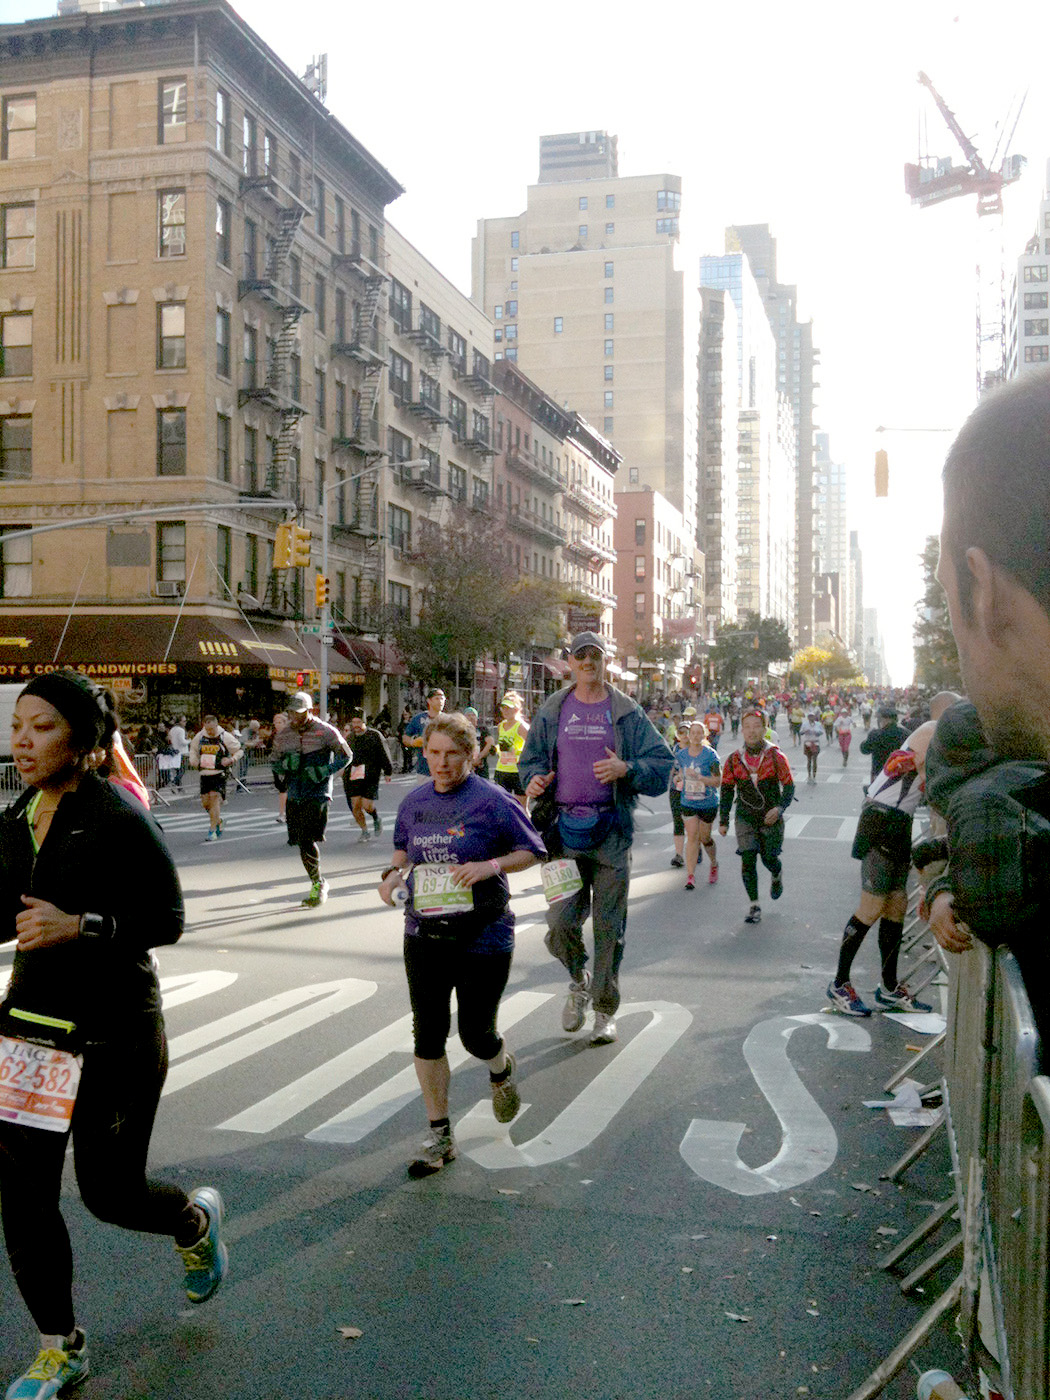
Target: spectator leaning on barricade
{"type": "Point", "coordinates": [995, 571]}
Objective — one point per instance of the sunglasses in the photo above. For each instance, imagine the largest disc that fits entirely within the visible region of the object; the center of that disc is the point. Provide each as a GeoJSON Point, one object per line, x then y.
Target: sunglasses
{"type": "Point", "coordinates": [588, 654]}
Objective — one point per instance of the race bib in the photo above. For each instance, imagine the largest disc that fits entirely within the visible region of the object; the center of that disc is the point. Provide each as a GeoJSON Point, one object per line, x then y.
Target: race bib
{"type": "Point", "coordinates": [434, 895]}
{"type": "Point", "coordinates": [694, 783]}
{"type": "Point", "coordinates": [38, 1086]}
{"type": "Point", "coordinates": [357, 773]}
{"type": "Point", "coordinates": [207, 760]}
{"type": "Point", "coordinates": [561, 880]}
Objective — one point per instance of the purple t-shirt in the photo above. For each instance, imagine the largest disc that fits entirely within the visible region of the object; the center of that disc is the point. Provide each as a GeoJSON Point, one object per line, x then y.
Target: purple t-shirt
{"type": "Point", "coordinates": [584, 733]}
{"type": "Point", "coordinates": [476, 821]}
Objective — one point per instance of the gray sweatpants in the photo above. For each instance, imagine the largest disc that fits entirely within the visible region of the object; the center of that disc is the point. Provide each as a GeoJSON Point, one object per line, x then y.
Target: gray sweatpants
{"type": "Point", "coordinates": [606, 875]}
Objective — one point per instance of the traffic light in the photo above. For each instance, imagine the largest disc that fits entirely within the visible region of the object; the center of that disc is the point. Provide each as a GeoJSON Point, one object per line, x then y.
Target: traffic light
{"type": "Point", "coordinates": [694, 679]}
{"type": "Point", "coordinates": [300, 547]}
{"type": "Point", "coordinates": [755, 643]}
{"type": "Point", "coordinates": [322, 591]}
{"type": "Point", "coordinates": [282, 547]}
{"type": "Point", "coordinates": [300, 679]}
{"type": "Point", "coordinates": [882, 473]}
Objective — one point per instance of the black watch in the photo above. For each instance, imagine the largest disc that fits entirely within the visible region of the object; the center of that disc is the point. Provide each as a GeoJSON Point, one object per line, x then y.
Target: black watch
{"type": "Point", "coordinates": [91, 926]}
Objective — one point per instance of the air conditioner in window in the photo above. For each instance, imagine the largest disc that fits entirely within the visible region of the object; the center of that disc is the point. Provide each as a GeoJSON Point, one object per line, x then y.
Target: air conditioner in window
{"type": "Point", "coordinates": [169, 588]}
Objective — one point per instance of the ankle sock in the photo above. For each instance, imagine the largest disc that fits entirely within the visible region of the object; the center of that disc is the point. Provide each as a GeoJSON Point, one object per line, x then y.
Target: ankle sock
{"type": "Point", "coordinates": [441, 1125]}
{"type": "Point", "coordinates": [503, 1075]}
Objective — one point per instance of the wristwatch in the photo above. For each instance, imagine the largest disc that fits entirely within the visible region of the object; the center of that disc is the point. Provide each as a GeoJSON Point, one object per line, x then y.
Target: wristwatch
{"type": "Point", "coordinates": [91, 926]}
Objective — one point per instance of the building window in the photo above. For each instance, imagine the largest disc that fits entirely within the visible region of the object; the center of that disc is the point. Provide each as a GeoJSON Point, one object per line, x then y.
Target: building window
{"type": "Point", "coordinates": [583, 233]}
{"type": "Point", "coordinates": [222, 446]}
{"type": "Point", "coordinates": [457, 482]}
{"type": "Point", "coordinates": [608, 295]}
{"type": "Point", "coordinates": [639, 605]}
{"type": "Point", "coordinates": [515, 238]}
{"type": "Point", "coordinates": [340, 316]}
{"type": "Point", "coordinates": [400, 305]}
{"type": "Point", "coordinates": [222, 233]}
{"type": "Point", "coordinates": [1036, 354]}
{"type": "Point", "coordinates": [457, 347]}
{"type": "Point", "coordinates": [510, 332]}
{"type": "Point", "coordinates": [172, 107]}
{"type": "Point", "coordinates": [632, 476]}
{"type": "Point", "coordinates": [610, 229]}
{"type": "Point", "coordinates": [497, 312]}
{"type": "Point", "coordinates": [498, 336]}
{"type": "Point", "coordinates": [512, 353]}
{"type": "Point", "coordinates": [18, 235]}
{"type": "Point", "coordinates": [295, 174]}
{"type": "Point", "coordinates": [171, 442]}
{"type": "Point", "coordinates": [251, 251]}
{"type": "Point", "coordinates": [340, 224]}
{"type": "Point", "coordinates": [295, 276]}
{"type": "Point", "coordinates": [400, 596]}
{"type": "Point", "coordinates": [608, 347]}
{"type": "Point", "coordinates": [19, 127]}
{"type": "Point", "coordinates": [429, 322]}
{"type": "Point", "coordinates": [222, 343]}
{"type": "Point", "coordinates": [558, 325]}
{"type": "Point", "coordinates": [320, 297]}
{"type": "Point", "coordinates": [16, 448]}
{"type": "Point", "coordinates": [1036, 273]}
{"type": "Point", "coordinates": [639, 566]}
{"type": "Point", "coordinates": [251, 357]}
{"type": "Point", "coordinates": [171, 335]}
{"type": "Point", "coordinates": [667, 225]}
{"type": "Point", "coordinates": [583, 201]}
{"type": "Point", "coordinates": [1037, 327]}
{"type": "Point", "coordinates": [16, 345]}
{"type": "Point", "coordinates": [609, 320]}
{"type": "Point", "coordinates": [171, 551]}
{"type": "Point", "coordinates": [16, 564]}
{"type": "Point", "coordinates": [319, 207]}
{"type": "Point", "coordinates": [639, 532]}
{"type": "Point", "coordinates": [669, 199]}
{"type": "Point", "coordinates": [295, 373]}
{"type": "Point", "coordinates": [608, 373]}
{"type": "Point", "coordinates": [607, 425]}
{"type": "Point", "coordinates": [512, 308]}
{"type": "Point", "coordinates": [251, 460]}
{"type": "Point", "coordinates": [320, 397]}
{"type": "Point", "coordinates": [608, 398]}
{"type": "Point", "coordinates": [400, 524]}
{"type": "Point", "coordinates": [250, 157]}
{"type": "Point", "coordinates": [513, 264]}
{"type": "Point", "coordinates": [269, 153]}
{"type": "Point", "coordinates": [1036, 301]}
{"type": "Point", "coordinates": [222, 122]}
{"type": "Point", "coordinates": [608, 269]}
{"type": "Point", "coordinates": [224, 555]}
{"type": "Point", "coordinates": [610, 201]}
{"type": "Point", "coordinates": [251, 564]}
{"type": "Point", "coordinates": [400, 377]}
{"type": "Point", "coordinates": [457, 416]}
{"type": "Point", "coordinates": [171, 223]}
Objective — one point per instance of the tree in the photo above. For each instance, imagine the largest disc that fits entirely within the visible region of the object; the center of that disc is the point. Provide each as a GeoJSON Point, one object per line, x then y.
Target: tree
{"type": "Point", "coordinates": [822, 665]}
{"type": "Point", "coordinates": [473, 600]}
{"type": "Point", "coordinates": [735, 652]}
{"type": "Point", "coordinates": [936, 655]}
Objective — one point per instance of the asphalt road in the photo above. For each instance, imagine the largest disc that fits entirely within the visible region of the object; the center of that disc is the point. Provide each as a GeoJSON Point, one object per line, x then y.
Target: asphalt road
{"type": "Point", "coordinates": [654, 1224]}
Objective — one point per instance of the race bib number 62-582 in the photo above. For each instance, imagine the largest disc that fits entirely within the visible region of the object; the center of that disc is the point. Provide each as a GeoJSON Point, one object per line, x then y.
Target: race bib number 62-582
{"type": "Point", "coordinates": [38, 1086]}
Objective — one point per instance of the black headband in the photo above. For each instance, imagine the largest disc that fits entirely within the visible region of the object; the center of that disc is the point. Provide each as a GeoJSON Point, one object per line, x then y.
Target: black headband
{"type": "Point", "coordinates": [80, 702]}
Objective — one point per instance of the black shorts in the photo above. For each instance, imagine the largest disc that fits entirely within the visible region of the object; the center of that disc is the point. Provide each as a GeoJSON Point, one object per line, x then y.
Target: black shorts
{"type": "Point", "coordinates": [306, 821]}
{"type": "Point", "coordinates": [510, 782]}
{"type": "Point", "coordinates": [213, 782]}
{"type": "Point", "coordinates": [362, 787]}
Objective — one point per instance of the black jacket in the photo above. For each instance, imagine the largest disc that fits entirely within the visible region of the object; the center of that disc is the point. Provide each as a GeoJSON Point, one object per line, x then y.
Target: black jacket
{"type": "Point", "coordinates": [880, 743]}
{"type": "Point", "coordinates": [103, 854]}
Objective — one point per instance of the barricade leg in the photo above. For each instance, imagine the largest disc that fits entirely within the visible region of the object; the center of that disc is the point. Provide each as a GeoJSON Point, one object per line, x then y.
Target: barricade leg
{"type": "Point", "coordinates": [899, 1356]}
{"type": "Point", "coordinates": [931, 1265]}
{"type": "Point", "coordinates": [921, 1232]}
{"type": "Point", "coordinates": [915, 1151]}
{"type": "Point", "coordinates": [905, 1071]}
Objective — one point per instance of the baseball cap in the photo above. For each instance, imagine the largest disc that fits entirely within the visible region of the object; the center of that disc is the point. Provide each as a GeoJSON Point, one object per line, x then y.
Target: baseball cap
{"type": "Point", "coordinates": [300, 701]}
{"type": "Point", "coordinates": [587, 639]}
{"type": "Point", "coordinates": [689, 710]}
{"type": "Point", "coordinates": [469, 712]}
{"type": "Point", "coordinates": [511, 698]}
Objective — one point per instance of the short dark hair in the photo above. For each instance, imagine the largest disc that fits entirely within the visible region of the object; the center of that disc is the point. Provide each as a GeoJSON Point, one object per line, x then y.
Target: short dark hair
{"type": "Point", "coordinates": [997, 487]}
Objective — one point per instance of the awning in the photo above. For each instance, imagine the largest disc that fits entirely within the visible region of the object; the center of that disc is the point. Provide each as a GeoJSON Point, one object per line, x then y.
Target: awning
{"type": "Point", "coordinates": [139, 646]}
{"type": "Point", "coordinates": [555, 666]}
{"type": "Point", "coordinates": [369, 656]}
{"type": "Point", "coordinates": [486, 670]}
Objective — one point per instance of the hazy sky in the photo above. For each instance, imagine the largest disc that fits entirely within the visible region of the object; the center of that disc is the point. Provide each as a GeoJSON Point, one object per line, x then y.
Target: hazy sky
{"type": "Point", "coordinates": [798, 116]}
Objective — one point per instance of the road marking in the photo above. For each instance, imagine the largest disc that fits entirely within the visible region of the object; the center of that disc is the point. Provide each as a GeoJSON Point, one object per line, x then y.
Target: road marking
{"type": "Point", "coordinates": [190, 985]}
{"type": "Point", "coordinates": [809, 1144]}
{"type": "Point", "coordinates": [590, 1113]}
{"type": "Point", "coordinates": [363, 1116]}
{"type": "Point", "coordinates": [329, 998]}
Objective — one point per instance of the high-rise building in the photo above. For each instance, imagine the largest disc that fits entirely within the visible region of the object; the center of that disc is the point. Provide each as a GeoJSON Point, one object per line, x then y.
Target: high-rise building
{"type": "Point", "coordinates": [765, 451]}
{"type": "Point", "coordinates": [796, 359]}
{"type": "Point", "coordinates": [856, 586]}
{"type": "Point", "coordinates": [831, 531]}
{"type": "Point", "coordinates": [874, 657]}
{"type": "Point", "coordinates": [1028, 312]}
{"type": "Point", "coordinates": [578, 155]}
{"type": "Point", "coordinates": [719, 407]}
{"type": "Point", "coordinates": [587, 295]}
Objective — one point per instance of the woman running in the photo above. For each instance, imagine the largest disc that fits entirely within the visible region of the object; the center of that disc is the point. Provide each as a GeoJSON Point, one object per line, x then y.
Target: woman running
{"type": "Point", "coordinates": [701, 778]}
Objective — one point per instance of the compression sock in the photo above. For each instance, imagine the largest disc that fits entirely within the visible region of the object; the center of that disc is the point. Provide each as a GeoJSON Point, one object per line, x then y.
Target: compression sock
{"type": "Point", "coordinates": [749, 874]}
{"type": "Point", "coordinates": [890, 933]}
{"type": "Point", "coordinates": [441, 1125]}
{"type": "Point", "coordinates": [852, 937]}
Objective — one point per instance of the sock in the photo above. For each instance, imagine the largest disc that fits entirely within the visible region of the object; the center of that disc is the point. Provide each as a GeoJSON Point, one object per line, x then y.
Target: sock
{"type": "Point", "coordinates": [749, 874]}
{"type": "Point", "coordinates": [503, 1074]}
{"type": "Point", "coordinates": [443, 1126]}
{"type": "Point", "coordinates": [55, 1341]}
{"type": "Point", "coordinates": [852, 937]}
{"type": "Point", "coordinates": [194, 1226]}
{"type": "Point", "coordinates": [890, 934]}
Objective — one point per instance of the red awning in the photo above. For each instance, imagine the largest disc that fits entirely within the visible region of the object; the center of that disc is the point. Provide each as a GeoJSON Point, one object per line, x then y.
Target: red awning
{"type": "Point", "coordinates": [555, 666]}
{"type": "Point", "coordinates": [369, 656]}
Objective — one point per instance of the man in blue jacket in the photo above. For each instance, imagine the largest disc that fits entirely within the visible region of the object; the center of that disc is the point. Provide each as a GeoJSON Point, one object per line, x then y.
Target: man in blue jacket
{"type": "Point", "coordinates": [589, 754]}
{"type": "Point", "coordinates": [306, 755]}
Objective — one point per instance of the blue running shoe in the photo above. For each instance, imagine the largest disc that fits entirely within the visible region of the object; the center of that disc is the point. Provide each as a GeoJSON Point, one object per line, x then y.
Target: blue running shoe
{"type": "Point", "coordinates": [900, 999]}
{"type": "Point", "coordinates": [206, 1261]}
{"type": "Point", "coordinates": [56, 1368]}
{"type": "Point", "coordinates": [843, 998]}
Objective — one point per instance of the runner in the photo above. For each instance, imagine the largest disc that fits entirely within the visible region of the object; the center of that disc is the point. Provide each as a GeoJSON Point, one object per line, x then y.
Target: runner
{"type": "Point", "coordinates": [456, 838]}
{"type": "Point", "coordinates": [700, 770]}
{"type": "Point", "coordinates": [412, 735]}
{"type": "Point", "coordinates": [510, 740]}
{"type": "Point", "coordinates": [308, 754]}
{"type": "Point", "coordinates": [96, 888]}
{"type": "Point", "coordinates": [674, 796]}
{"type": "Point", "coordinates": [361, 775]}
{"type": "Point", "coordinates": [796, 716]}
{"type": "Point", "coordinates": [827, 719]}
{"type": "Point", "coordinates": [758, 776]}
{"type": "Point", "coordinates": [213, 750]}
{"type": "Point", "coordinates": [843, 727]}
{"type": "Point", "coordinates": [713, 722]}
{"type": "Point", "coordinates": [810, 736]}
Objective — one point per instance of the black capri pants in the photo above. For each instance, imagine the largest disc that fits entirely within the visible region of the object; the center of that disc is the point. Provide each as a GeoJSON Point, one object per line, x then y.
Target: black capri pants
{"type": "Point", "coordinates": [437, 967]}
{"type": "Point", "coordinates": [675, 799]}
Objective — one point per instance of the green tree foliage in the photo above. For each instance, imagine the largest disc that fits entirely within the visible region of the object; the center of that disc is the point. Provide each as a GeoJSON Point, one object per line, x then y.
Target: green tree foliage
{"type": "Point", "coordinates": [936, 655]}
{"type": "Point", "coordinates": [473, 603]}
{"type": "Point", "coordinates": [735, 653]}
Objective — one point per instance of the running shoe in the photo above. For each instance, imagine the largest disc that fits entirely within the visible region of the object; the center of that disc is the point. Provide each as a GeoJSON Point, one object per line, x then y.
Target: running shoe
{"type": "Point", "coordinates": [212, 836]}
{"type": "Point", "coordinates": [677, 861]}
{"type": "Point", "coordinates": [506, 1101]}
{"type": "Point", "coordinates": [753, 915]}
{"type": "Point", "coordinates": [690, 884]}
{"type": "Point", "coordinates": [899, 1000]}
{"type": "Point", "coordinates": [575, 1009]}
{"type": "Point", "coordinates": [279, 821]}
{"type": "Point", "coordinates": [712, 875]}
{"type": "Point", "coordinates": [363, 836]}
{"type": "Point", "coordinates": [776, 887]}
{"type": "Point", "coordinates": [377, 823]}
{"type": "Point", "coordinates": [604, 1029]}
{"type": "Point", "coordinates": [206, 1261]}
{"type": "Point", "coordinates": [318, 894]}
{"type": "Point", "coordinates": [56, 1368]}
{"type": "Point", "coordinates": [437, 1151]}
{"type": "Point", "coordinates": [844, 998]}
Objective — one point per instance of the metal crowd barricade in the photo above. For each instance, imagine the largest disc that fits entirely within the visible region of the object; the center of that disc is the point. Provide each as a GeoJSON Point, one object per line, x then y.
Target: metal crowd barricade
{"type": "Point", "coordinates": [1030, 1320]}
{"type": "Point", "coordinates": [148, 769]}
{"type": "Point", "coordinates": [11, 785]}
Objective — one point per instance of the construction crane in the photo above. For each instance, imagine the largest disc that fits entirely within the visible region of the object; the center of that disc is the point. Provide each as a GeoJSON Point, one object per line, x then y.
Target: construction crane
{"type": "Point", "coordinates": [936, 179]}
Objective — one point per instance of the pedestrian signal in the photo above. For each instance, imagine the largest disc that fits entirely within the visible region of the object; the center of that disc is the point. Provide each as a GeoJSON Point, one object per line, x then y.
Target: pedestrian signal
{"type": "Point", "coordinates": [322, 591]}
{"type": "Point", "coordinates": [882, 473]}
{"type": "Point", "coordinates": [282, 547]}
{"type": "Point", "coordinates": [300, 547]}
{"type": "Point", "coordinates": [755, 643]}
{"type": "Point", "coordinates": [300, 679]}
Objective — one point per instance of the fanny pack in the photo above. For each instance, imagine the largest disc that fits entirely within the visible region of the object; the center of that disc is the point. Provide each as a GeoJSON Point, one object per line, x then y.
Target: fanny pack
{"type": "Point", "coordinates": [583, 828]}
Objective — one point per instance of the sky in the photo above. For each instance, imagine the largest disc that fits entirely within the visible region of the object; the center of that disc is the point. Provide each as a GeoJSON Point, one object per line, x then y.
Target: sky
{"type": "Point", "coordinates": [798, 116]}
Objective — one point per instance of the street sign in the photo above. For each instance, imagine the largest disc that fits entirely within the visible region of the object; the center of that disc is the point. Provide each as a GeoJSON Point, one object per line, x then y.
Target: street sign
{"type": "Point", "coordinates": [327, 640]}
{"type": "Point", "coordinates": [315, 629]}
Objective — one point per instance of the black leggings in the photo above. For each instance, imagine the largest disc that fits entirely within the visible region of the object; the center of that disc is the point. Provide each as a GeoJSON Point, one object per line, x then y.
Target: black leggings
{"type": "Point", "coordinates": [112, 1123]}
{"type": "Point", "coordinates": [437, 967]}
